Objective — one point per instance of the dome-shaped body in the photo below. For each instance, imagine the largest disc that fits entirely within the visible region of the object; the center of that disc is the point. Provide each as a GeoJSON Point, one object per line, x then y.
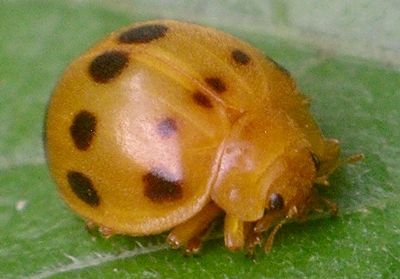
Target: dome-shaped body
{"type": "Point", "coordinates": [161, 118]}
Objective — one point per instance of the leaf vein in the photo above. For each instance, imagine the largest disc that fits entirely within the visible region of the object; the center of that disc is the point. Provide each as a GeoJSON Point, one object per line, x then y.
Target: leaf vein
{"type": "Point", "coordinates": [97, 259]}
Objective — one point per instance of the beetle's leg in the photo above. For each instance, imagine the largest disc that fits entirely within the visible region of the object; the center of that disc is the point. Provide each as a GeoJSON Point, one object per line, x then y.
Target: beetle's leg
{"type": "Point", "coordinates": [322, 180]}
{"type": "Point", "coordinates": [322, 205]}
{"type": "Point", "coordinates": [333, 209]}
{"type": "Point", "coordinates": [182, 234]}
{"type": "Point", "coordinates": [90, 225]}
{"type": "Point", "coordinates": [253, 239]}
{"type": "Point", "coordinates": [193, 245]}
{"type": "Point", "coordinates": [267, 221]}
{"type": "Point", "coordinates": [234, 232]}
{"type": "Point", "coordinates": [105, 232]}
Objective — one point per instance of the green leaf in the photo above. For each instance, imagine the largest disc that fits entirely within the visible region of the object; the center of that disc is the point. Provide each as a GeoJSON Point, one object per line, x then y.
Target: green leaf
{"type": "Point", "coordinates": [350, 72]}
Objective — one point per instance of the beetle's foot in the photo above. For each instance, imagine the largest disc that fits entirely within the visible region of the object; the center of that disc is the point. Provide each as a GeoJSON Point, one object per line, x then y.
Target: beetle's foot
{"type": "Point", "coordinates": [254, 239]}
{"type": "Point", "coordinates": [190, 233]}
{"type": "Point", "coordinates": [90, 225]}
{"type": "Point", "coordinates": [105, 232]}
{"type": "Point", "coordinates": [193, 246]}
{"type": "Point", "coordinates": [234, 233]}
{"type": "Point", "coordinates": [322, 180]}
{"type": "Point", "coordinates": [323, 205]}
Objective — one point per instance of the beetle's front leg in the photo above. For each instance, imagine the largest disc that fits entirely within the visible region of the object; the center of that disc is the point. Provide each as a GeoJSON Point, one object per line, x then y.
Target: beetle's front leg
{"type": "Point", "coordinates": [189, 234]}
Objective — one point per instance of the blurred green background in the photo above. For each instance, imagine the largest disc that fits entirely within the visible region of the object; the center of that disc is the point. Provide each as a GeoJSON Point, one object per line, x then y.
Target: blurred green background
{"type": "Point", "coordinates": [345, 56]}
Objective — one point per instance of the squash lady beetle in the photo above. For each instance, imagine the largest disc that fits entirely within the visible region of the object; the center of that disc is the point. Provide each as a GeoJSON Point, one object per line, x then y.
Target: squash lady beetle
{"type": "Point", "coordinates": [166, 125]}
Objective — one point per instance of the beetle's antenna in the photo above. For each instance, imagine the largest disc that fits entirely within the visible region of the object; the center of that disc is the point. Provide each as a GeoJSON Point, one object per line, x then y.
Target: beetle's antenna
{"type": "Point", "coordinates": [270, 239]}
{"type": "Point", "coordinates": [292, 213]}
{"type": "Point", "coordinates": [352, 159]}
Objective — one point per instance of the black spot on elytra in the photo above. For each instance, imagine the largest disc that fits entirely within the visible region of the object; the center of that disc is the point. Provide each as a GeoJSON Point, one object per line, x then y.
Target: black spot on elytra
{"type": "Point", "coordinates": [83, 129]}
{"type": "Point", "coordinates": [143, 34]}
{"type": "Point", "coordinates": [216, 83]}
{"type": "Point", "coordinates": [159, 187]}
{"type": "Point", "coordinates": [167, 127]}
{"type": "Point", "coordinates": [276, 201]}
{"type": "Point", "coordinates": [240, 57]}
{"type": "Point", "coordinates": [202, 100]}
{"type": "Point", "coordinates": [108, 65]}
{"type": "Point", "coordinates": [83, 188]}
{"type": "Point", "coordinates": [316, 160]}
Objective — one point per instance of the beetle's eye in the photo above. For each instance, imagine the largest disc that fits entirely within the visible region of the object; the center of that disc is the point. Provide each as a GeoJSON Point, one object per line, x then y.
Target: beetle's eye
{"type": "Point", "coordinates": [316, 161]}
{"type": "Point", "coordinates": [276, 201]}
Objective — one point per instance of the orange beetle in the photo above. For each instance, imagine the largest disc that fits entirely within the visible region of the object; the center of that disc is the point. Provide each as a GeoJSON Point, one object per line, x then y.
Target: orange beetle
{"type": "Point", "coordinates": [166, 125]}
